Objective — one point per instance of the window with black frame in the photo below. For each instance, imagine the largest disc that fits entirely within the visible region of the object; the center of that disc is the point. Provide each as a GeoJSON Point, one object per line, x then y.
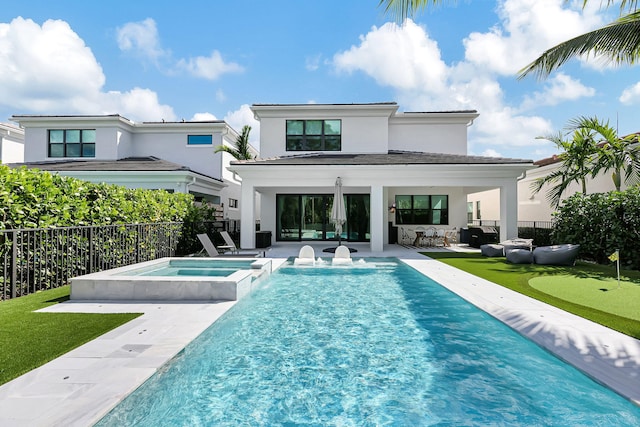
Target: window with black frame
{"type": "Point", "coordinates": [314, 135]}
{"type": "Point", "coordinates": [72, 143]}
{"type": "Point", "coordinates": [422, 209]}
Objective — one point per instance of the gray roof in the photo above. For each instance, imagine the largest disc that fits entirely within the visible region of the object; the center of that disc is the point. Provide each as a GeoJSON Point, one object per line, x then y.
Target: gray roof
{"type": "Point", "coordinates": [128, 164]}
{"type": "Point", "coordinates": [391, 158]}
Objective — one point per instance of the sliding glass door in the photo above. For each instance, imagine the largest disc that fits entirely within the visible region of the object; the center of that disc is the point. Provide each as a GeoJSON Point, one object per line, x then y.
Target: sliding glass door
{"type": "Point", "coordinates": [307, 217]}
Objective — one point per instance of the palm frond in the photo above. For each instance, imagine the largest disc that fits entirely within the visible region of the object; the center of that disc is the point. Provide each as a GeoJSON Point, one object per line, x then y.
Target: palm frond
{"type": "Point", "coordinates": [403, 9]}
{"type": "Point", "coordinates": [618, 43]}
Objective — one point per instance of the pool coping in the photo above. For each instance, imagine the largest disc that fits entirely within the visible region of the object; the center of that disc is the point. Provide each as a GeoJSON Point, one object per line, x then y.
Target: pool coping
{"type": "Point", "coordinates": [80, 387]}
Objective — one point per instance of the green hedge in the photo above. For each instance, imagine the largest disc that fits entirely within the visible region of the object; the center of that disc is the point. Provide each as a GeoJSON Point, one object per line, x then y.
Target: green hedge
{"type": "Point", "coordinates": [602, 223]}
{"type": "Point", "coordinates": [31, 198]}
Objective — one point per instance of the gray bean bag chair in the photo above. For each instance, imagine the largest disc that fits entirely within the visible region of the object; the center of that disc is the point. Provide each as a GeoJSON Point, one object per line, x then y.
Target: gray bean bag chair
{"type": "Point", "coordinates": [556, 255]}
{"type": "Point", "coordinates": [492, 250]}
{"type": "Point", "coordinates": [518, 255]}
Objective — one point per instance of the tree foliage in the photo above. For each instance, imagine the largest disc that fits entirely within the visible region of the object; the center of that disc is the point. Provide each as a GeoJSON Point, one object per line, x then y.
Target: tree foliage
{"type": "Point", "coordinates": [595, 148]}
{"type": "Point", "coordinates": [242, 150]}
{"type": "Point", "coordinates": [601, 223]}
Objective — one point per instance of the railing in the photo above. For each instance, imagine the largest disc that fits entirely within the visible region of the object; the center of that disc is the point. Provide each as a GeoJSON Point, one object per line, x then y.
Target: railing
{"type": "Point", "coordinates": [539, 231]}
{"type": "Point", "coordinates": [521, 224]}
{"type": "Point", "coordinates": [44, 258]}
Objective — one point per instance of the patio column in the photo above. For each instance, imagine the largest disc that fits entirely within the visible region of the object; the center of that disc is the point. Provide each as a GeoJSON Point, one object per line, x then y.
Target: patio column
{"type": "Point", "coordinates": [509, 210]}
{"type": "Point", "coordinates": [377, 218]}
{"type": "Point", "coordinates": [247, 214]}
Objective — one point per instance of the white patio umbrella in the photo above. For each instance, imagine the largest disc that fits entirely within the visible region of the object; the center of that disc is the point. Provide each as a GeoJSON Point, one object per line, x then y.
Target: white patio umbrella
{"type": "Point", "coordinates": [338, 214]}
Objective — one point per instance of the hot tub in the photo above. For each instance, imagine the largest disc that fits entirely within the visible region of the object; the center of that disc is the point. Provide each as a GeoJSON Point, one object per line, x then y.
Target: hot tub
{"type": "Point", "coordinates": [173, 279]}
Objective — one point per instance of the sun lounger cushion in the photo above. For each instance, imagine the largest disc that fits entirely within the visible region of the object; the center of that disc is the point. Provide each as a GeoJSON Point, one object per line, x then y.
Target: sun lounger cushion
{"type": "Point", "coordinates": [342, 256]}
{"type": "Point", "coordinates": [306, 256]}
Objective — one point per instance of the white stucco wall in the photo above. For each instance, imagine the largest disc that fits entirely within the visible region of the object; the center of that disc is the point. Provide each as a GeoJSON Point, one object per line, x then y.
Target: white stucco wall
{"type": "Point", "coordinates": [11, 144]}
{"type": "Point", "coordinates": [430, 132]}
{"type": "Point", "coordinates": [172, 146]}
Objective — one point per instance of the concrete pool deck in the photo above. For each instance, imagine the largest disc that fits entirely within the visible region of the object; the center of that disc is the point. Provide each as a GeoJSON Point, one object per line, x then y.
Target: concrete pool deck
{"type": "Point", "coordinates": [78, 388]}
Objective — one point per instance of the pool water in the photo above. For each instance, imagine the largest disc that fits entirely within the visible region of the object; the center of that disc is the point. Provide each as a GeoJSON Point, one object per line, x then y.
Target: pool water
{"type": "Point", "coordinates": [186, 267]}
{"type": "Point", "coordinates": [365, 347]}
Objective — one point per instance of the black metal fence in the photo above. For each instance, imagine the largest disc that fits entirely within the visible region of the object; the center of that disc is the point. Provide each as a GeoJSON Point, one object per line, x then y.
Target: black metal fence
{"type": "Point", "coordinates": [539, 231]}
{"type": "Point", "coordinates": [44, 258]}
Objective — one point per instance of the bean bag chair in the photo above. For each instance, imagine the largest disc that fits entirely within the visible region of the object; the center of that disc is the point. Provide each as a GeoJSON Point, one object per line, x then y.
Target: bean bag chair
{"type": "Point", "coordinates": [518, 255]}
{"type": "Point", "coordinates": [556, 255]}
{"type": "Point", "coordinates": [491, 250]}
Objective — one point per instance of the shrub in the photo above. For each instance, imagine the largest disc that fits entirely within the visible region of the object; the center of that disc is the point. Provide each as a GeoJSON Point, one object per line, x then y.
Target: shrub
{"type": "Point", "coordinates": [34, 199]}
{"type": "Point", "coordinates": [602, 223]}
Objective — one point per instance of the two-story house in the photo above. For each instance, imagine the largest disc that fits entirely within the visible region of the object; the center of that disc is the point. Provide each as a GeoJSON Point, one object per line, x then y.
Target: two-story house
{"type": "Point", "coordinates": [406, 169]}
{"type": "Point", "coordinates": [175, 156]}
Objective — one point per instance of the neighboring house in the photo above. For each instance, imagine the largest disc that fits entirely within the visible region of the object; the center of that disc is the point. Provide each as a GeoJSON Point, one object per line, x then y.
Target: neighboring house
{"type": "Point", "coordinates": [11, 144]}
{"type": "Point", "coordinates": [399, 169]}
{"type": "Point", "coordinates": [175, 156]}
{"type": "Point", "coordinates": [534, 207]}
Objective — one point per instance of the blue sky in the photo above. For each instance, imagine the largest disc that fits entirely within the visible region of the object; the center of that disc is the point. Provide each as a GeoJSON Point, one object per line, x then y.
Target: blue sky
{"type": "Point", "coordinates": [201, 60]}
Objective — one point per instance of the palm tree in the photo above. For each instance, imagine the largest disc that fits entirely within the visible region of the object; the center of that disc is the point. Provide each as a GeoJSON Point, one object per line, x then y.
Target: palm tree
{"type": "Point", "coordinates": [578, 157]}
{"type": "Point", "coordinates": [616, 154]}
{"type": "Point", "coordinates": [619, 42]}
{"type": "Point", "coordinates": [241, 150]}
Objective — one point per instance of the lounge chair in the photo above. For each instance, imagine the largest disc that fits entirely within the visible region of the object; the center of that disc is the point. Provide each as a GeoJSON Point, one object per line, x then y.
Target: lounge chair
{"type": "Point", "coordinates": [229, 243]}
{"type": "Point", "coordinates": [211, 250]}
{"type": "Point", "coordinates": [342, 256]}
{"type": "Point", "coordinates": [306, 256]}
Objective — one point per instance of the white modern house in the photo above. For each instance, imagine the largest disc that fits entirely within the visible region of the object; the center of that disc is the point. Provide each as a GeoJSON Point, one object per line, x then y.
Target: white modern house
{"type": "Point", "coordinates": [406, 169]}
{"type": "Point", "coordinates": [11, 144]}
{"type": "Point", "coordinates": [174, 156]}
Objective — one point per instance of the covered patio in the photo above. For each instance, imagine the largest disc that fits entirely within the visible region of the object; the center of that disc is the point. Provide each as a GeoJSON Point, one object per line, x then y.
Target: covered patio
{"type": "Point", "coordinates": [379, 178]}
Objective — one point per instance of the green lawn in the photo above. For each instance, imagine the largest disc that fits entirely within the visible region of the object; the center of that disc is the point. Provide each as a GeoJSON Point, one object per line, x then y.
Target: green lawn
{"type": "Point", "coordinates": [30, 339]}
{"type": "Point", "coordinates": [588, 290]}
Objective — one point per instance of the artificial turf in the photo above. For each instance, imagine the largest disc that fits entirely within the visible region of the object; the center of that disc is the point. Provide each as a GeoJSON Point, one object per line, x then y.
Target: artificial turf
{"type": "Point", "coordinates": [587, 290]}
{"type": "Point", "coordinates": [29, 339]}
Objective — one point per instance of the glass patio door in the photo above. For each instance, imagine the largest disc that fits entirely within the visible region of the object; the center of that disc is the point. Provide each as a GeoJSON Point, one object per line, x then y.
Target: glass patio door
{"type": "Point", "coordinates": [315, 216]}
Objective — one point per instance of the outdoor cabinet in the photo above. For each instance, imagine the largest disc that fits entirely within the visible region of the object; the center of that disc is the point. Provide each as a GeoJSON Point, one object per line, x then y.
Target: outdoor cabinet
{"type": "Point", "coordinates": [263, 239]}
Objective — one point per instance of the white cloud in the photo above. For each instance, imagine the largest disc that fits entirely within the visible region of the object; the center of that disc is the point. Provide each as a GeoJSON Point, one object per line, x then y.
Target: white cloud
{"type": "Point", "coordinates": [400, 56]}
{"type": "Point", "coordinates": [137, 104]}
{"type": "Point", "coordinates": [527, 28]}
{"type": "Point", "coordinates": [631, 95]}
{"type": "Point", "coordinates": [141, 38]}
{"type": "Point", "coordinates": [45, 67]}
{"type": "Point", "coordinates": [208, 67]}
{"type": "Point", "coordinates": [203, 117]}
{"type": "Point", "coordinates": [557, 89]}
{"type": "Point", "coordinates": [490, 153]}
{"type": "Point", "coordinates": [220, 96]}
{"type": "Point", "coordinates": [48, 69]}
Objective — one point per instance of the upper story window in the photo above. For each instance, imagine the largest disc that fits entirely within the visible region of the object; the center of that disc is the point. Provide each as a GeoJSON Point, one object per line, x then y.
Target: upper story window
{"type": "Point", "coordinates": [422, 210]}
{"type": "Point", "coordinates": [199, 140]}
{"type": "Point", "coordinates": [314, 135]}
{"type": "Point", "coordinates": [72, 143]}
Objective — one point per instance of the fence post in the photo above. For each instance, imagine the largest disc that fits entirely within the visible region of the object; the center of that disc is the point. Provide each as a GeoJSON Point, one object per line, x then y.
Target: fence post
{"type": "Point", "coordinates": [14, 263]}
{"type": "Point", "coordinates": [91, 253]}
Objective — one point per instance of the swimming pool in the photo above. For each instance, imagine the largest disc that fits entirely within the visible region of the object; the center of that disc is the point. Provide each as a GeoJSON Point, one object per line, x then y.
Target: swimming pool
{"type": "Point", "coordinates": [322, 346]}
{"type": "Point", "coordinates": [173, 279]}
